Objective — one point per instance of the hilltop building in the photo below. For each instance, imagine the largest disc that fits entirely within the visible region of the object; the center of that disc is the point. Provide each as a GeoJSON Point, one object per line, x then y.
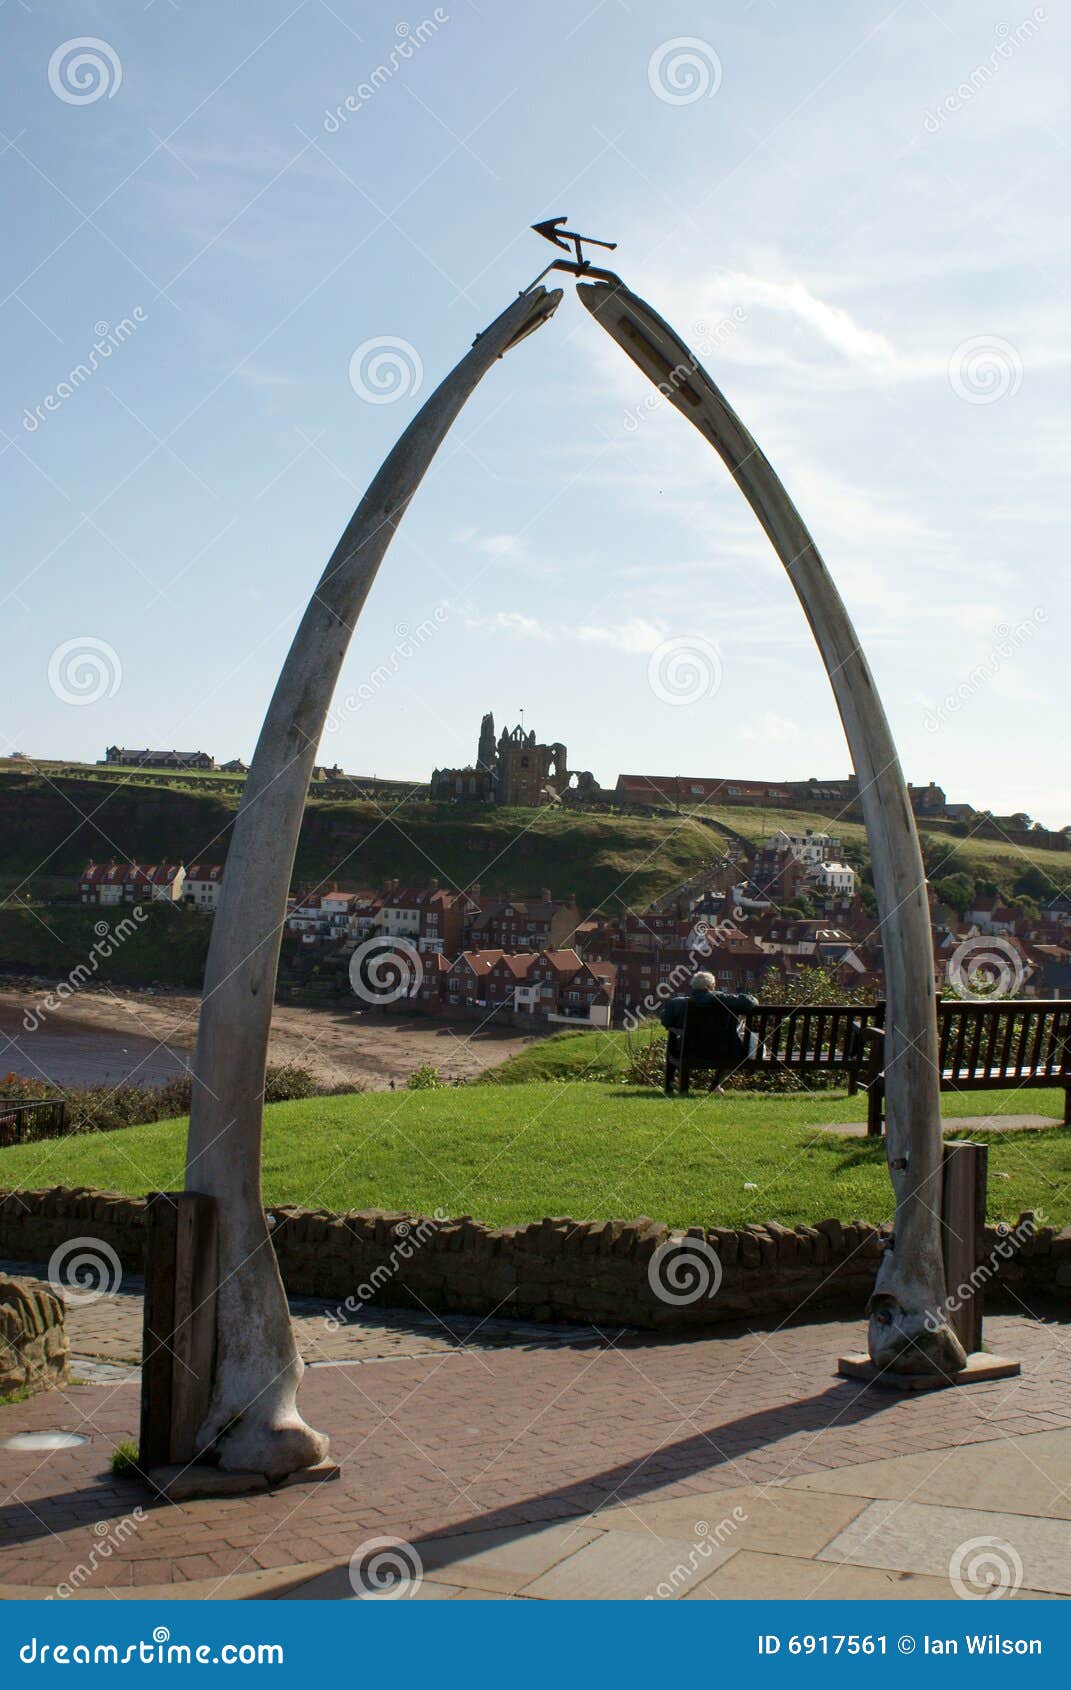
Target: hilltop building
{"type": "Point", "coordinates": [514, 770]}
{"type": "Point", "coordinates": [158, 759]}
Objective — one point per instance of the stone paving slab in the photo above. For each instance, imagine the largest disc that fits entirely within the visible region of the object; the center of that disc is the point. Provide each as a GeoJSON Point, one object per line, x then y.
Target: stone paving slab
{"type": "Point", "coordinates": [750, 1577]}
{"type": "Point", "coordinates": [627, 1566]}
{"type": "Point", "coordinates": [987, 1550]}
{"type": "Point", "coordinates": [1031, 1474]}
{"type": "Point", "coordinates": [773, 1517]}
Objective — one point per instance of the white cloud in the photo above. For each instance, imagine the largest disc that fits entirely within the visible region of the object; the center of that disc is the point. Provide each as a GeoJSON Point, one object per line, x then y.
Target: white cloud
{"type": "Point", "coordinates": [831, 323]}
{"type": "Point", "coordinates": [633, 636]}
{"type": "Point", "coordinates": [770, 727]}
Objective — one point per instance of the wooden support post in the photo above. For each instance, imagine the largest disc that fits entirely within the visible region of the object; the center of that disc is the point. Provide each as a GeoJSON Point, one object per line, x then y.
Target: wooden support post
{"type": "Point", "coordinates": [963, 1183]}
{"type": "Point", "coordinates": [963, 1194]}
{"type": "Point", "coordinates": [178, 1342]}
{"type": "Point", "coordinates": [158, 1324]}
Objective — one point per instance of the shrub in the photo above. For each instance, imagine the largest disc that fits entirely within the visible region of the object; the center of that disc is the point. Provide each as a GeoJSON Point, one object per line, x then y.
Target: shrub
{"type": "Point", "coordinates": [98, 1109]}
{"type": "Point", "coordinates": [425, 1078]}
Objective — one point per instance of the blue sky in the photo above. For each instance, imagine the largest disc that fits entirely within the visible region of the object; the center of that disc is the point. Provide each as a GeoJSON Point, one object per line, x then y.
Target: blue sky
{"type": "Point", "coordinates": [856, 212]}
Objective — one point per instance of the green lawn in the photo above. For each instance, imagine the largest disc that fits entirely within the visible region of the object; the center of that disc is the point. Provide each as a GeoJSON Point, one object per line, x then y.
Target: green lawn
{"type": "Point", "coordinates": [517, 1153]}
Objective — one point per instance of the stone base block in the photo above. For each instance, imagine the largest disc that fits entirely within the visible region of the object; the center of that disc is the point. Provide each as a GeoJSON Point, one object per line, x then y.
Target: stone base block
{"type": "Point", "coordinates": [184, 1484]}
{"type": "Point", "coordinates": [980, 1367]}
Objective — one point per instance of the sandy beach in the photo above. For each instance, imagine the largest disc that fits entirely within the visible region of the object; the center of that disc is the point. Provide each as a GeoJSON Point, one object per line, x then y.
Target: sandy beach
{"type": "Point", "coordinates": [109, 1037]}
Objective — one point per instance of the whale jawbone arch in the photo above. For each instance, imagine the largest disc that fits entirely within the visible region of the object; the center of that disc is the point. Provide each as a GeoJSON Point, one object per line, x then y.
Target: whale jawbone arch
{"type": "Point", "coordinates": [908, 1326]}
{"type": "Point", "coordinates": [253, 1421]}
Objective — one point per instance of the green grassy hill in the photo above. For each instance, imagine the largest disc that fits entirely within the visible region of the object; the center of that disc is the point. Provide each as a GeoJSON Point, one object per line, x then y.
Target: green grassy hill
{"type": "Point", "coordinates": [51, 822]}
{"type": "Point", "coordinates": [996, 862]}
{"type": "Point", "coordinates": [602, 858]}
{"type": "Point", "coordinates": [591, 1151]}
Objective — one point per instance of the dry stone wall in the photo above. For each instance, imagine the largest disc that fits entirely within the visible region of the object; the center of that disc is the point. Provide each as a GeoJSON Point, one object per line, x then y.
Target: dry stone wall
{"type": "Point", "coordinates": [33, 1344]}
{"type": "Point", "coordinates": [636, 1273]}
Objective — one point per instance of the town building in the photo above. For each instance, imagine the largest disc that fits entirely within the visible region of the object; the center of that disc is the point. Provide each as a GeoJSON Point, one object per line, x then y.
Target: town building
{"type": "Point", "coordinates": [204, 882]}
{"type": "Point", "coordinates": [124, 883]}
{"type": "Point", "coordinates": [144, 759]}
{"type": "Point", "coordinates": [519, 924]}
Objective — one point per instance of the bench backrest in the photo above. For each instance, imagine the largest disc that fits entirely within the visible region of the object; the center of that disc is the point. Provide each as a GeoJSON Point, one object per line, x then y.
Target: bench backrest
{"type": "Point", "coordinates": [1007, 1039]}
{"type": "Point", "coordinates": [814, 1036]}
{"type": "Point", "coordinates": [709, 1037]}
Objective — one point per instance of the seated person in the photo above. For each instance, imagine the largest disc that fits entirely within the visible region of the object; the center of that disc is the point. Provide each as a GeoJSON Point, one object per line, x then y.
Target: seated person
{"type": "Point", "coordinates": [727, 1043]}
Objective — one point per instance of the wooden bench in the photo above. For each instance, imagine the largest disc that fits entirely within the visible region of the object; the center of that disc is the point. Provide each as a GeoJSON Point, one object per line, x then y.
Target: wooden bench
{"type": "Point", "coordinates": [1001, 1045]}
{"type": "Point", "coordinates": [812, 1039]}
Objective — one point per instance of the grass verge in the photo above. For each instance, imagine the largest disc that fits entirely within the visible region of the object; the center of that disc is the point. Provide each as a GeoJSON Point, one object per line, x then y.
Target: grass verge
{"type": "Point", "coordinates": [517, 1153]}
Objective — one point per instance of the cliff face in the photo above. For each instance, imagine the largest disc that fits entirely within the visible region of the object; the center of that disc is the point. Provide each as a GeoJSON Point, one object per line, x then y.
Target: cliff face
{"type": "Point", "coordinates": [56, 826]}
{"type": "Point", "coordinates": [49, 828]}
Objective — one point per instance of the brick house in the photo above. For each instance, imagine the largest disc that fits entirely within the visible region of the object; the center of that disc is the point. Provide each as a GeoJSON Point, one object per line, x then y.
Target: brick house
{"type": "Point", "coordinates": [122, 883]}
{"type": "Point", "coordinates": [106, 883]}
{"type": "Point", "coordinates": [442, 918]}
{"type": "Point", "coordinates": [588, 995]}
{"type": "Point", "coordinates": [427, 997]}
{"type": "Point", "coordinates": [507, 981]}
{"type": "Point", "coordinates": [307, 918]}
{"type": "Point", "coordinates": [163, 881]}
{"type": "Point", "coordinates": [645, 981]}
{"type": "Point", "coordinates": [466, 982]}
{"type": "Point", "coordinates": [519, 924]}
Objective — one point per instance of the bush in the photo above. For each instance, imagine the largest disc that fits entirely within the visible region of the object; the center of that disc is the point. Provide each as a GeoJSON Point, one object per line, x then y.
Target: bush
{"type": "Point", "coordinates": [645, 1060]}
{"type": "Point", "coordinates": [99, 1109]}
{"type": "Point", "coordinates": [425, 1078]}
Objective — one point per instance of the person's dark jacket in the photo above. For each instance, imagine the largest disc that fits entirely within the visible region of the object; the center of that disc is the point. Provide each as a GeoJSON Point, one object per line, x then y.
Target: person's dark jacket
{"type": "Point", "coordinates": [725, 1043]}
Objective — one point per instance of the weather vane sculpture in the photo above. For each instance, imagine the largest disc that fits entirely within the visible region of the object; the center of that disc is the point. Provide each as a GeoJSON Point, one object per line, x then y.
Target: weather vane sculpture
{"type": "Point", "coordinates": [251, 1419]}
{"type": "Point", "coordinates": [552, 231]}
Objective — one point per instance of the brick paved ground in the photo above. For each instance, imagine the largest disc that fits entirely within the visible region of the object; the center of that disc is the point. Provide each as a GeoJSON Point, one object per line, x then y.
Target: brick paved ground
{"type": "Point", "coordinates": [462, 1439]}
{"type": "Point", "coordinates": [107, 1328]}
